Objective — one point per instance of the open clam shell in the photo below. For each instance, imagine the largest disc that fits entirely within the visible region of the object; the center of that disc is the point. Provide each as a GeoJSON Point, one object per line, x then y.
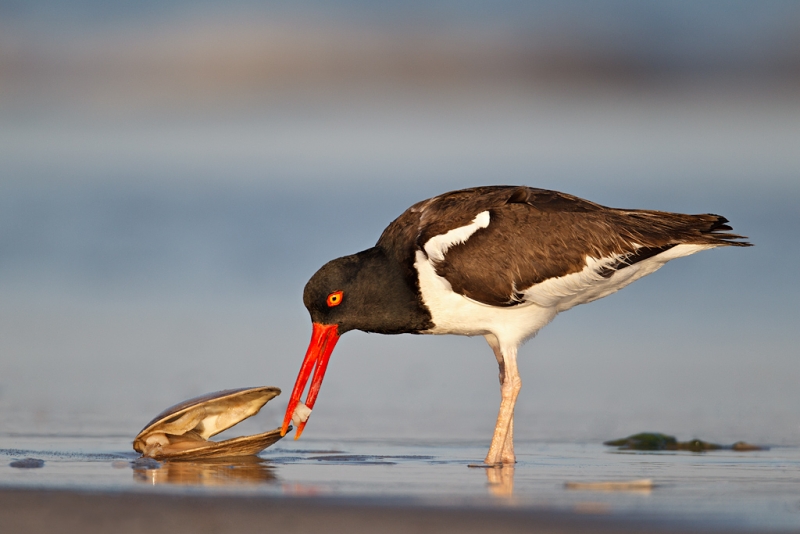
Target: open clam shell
{"type": "Point", "coordinates": [182, 431]}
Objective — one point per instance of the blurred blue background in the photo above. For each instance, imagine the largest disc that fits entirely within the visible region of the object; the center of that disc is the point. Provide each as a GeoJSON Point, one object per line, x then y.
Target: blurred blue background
{"type": "Point", "coordinates": [172, 172]}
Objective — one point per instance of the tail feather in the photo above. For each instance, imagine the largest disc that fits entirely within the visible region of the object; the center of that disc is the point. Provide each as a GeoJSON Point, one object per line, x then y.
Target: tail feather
{"type": "Point", "coordinates": [658, 228]}
{"type": "Point", "coordinates": [719, 232]}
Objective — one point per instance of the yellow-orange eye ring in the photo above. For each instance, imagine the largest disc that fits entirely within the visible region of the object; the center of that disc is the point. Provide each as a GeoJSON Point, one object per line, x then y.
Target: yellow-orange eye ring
{"type": "Point", "coordinates": [335, 298]}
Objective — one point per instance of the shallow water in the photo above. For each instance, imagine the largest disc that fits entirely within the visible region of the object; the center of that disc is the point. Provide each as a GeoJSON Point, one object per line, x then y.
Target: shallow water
{"type": "Point", "coordinates": [756, 490]}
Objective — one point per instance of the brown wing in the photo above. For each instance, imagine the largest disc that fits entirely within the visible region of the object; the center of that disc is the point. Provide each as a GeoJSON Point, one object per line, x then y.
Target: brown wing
{"type": "Point", "coordinates": [536, 234]}
{"type": "Point", "coordinates": [438, 215]}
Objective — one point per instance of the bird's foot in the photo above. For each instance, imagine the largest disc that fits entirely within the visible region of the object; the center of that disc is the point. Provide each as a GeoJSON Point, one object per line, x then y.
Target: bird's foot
{"type": "Point", "coordinates": [485, 466]}
{"type": "Point", "coordinates": [495, 460]}
{"type": "Point", "coordinates": [508, 458]}
{"type": "Point", "coordinates": [493, 465]}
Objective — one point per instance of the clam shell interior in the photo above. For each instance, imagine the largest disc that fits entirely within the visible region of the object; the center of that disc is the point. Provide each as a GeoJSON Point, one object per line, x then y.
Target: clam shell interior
{"type": "Point", "coordinates": [182, 431]}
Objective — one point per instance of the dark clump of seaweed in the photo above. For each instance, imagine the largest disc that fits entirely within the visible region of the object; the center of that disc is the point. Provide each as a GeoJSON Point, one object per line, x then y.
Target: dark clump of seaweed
{"type": "Point", "coordinates": [27, 463]}
{"type": "Point", "coordinates": [655, 441]}
{"type": "Point", "coordinates": [645, 441]}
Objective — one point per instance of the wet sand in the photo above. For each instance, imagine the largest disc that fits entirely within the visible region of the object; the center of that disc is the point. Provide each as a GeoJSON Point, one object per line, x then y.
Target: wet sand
{"type": "Point", "coordinates": [24, 511]}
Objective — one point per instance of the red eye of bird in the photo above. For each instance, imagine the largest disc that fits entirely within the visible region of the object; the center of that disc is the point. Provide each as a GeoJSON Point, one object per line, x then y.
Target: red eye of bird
{"type": "Point", "coordinates": [335, 298]}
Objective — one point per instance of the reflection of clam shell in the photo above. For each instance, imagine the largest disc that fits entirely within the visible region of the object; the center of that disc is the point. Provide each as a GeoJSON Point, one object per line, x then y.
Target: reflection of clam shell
{"type": "Point", "coordinates": [214, 472]}
{"type": "Point", "coordinates": [182, 431]}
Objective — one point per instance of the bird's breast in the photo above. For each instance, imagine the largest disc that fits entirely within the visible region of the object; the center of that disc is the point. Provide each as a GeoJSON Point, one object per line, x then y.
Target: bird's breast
{"type": "Point", "coordinates": [452, 313]}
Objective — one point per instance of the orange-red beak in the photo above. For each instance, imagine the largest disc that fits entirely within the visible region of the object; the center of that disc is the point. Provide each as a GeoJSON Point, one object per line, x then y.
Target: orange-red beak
{"type": "Point", "coordinates": [323, 339]}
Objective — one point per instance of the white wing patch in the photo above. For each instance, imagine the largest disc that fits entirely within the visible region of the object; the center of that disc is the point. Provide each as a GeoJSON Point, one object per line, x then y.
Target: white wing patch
{"type": "Point", "coordinates": [437, 246]}
{"type": "Point", "coordinates": [564, 292]}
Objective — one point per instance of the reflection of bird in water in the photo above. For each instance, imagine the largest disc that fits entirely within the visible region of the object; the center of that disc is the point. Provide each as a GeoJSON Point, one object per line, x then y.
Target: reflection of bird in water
{"type": "Point", "coordinates": [215, 472]}
{"type": "Point", "coordinates": [500, 262]}
{"type": "Point", "coordinates": [501, 480]}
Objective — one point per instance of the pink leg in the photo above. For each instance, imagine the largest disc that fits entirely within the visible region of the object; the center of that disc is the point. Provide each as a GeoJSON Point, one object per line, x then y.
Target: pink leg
{"type": "Point", "coordinates": [501, 450]}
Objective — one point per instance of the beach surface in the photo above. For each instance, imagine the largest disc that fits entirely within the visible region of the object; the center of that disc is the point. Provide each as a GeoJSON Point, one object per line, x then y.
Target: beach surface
{"type": "Point", "coordinates": [92, 484]}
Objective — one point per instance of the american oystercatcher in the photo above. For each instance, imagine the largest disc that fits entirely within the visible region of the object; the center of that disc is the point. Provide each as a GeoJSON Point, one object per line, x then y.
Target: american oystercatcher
{"type": "Point", "coordinates": [496, 261]}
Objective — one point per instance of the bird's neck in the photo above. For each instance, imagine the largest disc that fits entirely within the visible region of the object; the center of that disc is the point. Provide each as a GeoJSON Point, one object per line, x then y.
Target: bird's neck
{"type": "Point", "coordinates": [394, 302]}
